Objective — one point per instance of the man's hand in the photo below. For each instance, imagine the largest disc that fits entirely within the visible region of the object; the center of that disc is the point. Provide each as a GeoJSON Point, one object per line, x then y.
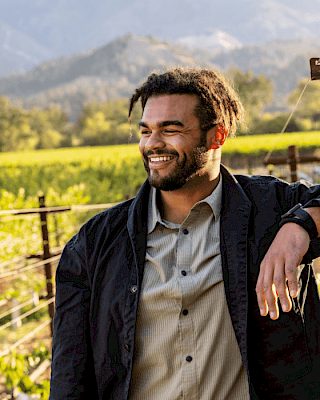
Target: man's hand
{"type": "Point", "coordinates": [278, 266]}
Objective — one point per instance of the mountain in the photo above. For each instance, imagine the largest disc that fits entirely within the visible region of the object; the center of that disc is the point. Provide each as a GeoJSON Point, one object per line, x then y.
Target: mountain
{"type": "Point", "coordinates": [211, 39]}
{"type": "Point", "coordinates": [283, 61]}
{"type": "Point", "coordinates": [65, 27]}
{"type": "Point", "coordinates": [114, 70]}
{"type": "Point", "coordinates": [127, 56]}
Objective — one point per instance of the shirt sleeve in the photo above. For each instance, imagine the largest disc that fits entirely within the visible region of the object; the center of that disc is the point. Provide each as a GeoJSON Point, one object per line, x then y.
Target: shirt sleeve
{"type": "Point", "coordinates": [72, 373]}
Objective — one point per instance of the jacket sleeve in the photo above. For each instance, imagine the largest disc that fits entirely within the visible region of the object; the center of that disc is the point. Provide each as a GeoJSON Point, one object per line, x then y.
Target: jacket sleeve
{"type": "Point", "coordinates": [309, 196]}
{"type": "Point", "coordinates": [72, 374]}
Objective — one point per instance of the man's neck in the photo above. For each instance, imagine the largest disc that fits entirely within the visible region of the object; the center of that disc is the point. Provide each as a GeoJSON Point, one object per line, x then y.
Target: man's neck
{"type": "Point", "coordinates": [175, 205]}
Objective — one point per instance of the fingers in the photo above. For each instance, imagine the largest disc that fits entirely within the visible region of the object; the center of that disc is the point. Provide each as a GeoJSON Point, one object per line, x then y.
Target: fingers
{"type": "Point", "coordinates": [280, 278]}
{"type": "Point", "coordinates": [277, 274]}
{"type": "Point", "coordinates": [272, 285]}
{"type": "Point", "coordinates": [291, 273]}
{"type": "Point", "coordinates": [263, 306]}
{"type": "Point", "coordinates": [267, 295]}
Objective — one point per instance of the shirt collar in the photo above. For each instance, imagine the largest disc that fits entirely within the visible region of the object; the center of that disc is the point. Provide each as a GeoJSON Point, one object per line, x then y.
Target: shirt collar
{"type": "Point", "coordinates": [213, 200]}
{"type": "Point", "coordinates": [154, 216]}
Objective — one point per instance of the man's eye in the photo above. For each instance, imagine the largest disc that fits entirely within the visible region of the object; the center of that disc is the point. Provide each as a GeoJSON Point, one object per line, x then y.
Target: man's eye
{"type": "Point", "coordinates": [171, 131]}
{"type": "Point", "coordinates": [145, 132]}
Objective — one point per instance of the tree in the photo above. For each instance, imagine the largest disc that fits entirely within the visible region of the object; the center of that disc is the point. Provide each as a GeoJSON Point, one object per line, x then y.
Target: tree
{"type": "Point", "coordinates": [273, 123]}
{"type": "Point", "coordinates": [34, 129]}
{"type": "Point", "coordinates": [309, 106]}
{"type": "Point", "coordinates": [107, 123]}
{"type": "Point", "coordinates": [255, 92]}
{"type": "Point", "coordinates": [15, 130]}
{"type": "Point", "coordinates": [50, 126]}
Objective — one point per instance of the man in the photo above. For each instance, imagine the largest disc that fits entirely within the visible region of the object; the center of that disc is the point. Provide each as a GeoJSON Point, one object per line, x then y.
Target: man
{"type": "Point", "coordinates": [166, 296]}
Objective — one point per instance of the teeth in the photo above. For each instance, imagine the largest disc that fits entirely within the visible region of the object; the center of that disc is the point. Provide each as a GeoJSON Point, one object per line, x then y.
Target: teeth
{"type": "Point", "coordinates": [155, 159]}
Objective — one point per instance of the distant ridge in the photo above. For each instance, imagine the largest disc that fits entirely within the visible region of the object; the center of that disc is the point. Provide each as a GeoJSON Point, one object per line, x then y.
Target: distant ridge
{"type": "Point", "coordinates": [64, 27]}
{"type": "Point", "coordinates": [114, 70]}
{"type": "Point", "coordinates": [107, 72]}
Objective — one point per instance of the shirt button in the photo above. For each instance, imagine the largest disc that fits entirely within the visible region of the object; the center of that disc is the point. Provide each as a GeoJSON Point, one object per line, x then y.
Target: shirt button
{"type": "Point", "coordinates": [184, 273]}
{"type": "Point", "coordinates": [185, 231]}
{"type": "Point", "coordinates": [189, 358]}
{"type": "Point", "coordinates": [134, 289]}
{"type": "Point", "coordinates": [185, 312]}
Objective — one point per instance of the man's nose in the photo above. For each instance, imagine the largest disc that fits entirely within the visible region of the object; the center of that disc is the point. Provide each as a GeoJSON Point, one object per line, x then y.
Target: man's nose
{"type": "Point", "coordinates": [155, 141]}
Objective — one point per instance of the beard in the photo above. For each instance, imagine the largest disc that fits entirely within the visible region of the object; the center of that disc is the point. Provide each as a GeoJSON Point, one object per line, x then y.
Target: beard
{"type": "Point", "coordinates": [186, 168]}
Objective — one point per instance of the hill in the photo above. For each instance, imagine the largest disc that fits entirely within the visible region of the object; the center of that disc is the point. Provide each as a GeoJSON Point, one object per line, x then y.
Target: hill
{"type": "Point", "coordinates": [108, 72]}
{"type": "Point", "coordinates": [114, 70]}
{"type": "Point", "coordinates": [66, 27]}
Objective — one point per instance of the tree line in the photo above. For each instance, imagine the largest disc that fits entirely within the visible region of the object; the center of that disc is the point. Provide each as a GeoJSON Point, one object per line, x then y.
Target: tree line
{"type": "Point", "coordinates": [107, 123]}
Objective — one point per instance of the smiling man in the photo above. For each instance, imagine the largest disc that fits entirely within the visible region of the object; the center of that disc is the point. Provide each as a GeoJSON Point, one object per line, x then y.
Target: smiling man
{"type": "Point", "coordinates": [181, 150]}
{"type": "Point", "coordinates": [202, 286]}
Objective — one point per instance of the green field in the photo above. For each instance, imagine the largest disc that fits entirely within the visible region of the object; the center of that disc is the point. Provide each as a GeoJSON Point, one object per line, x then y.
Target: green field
{"type": "Point", "coordinates": [75, 155]}
{"type": "Point", "coordinates": [90, 175]}
{"type": "Point", "coordinates": [261, 144]}
{"type": "Point", "coordinates": [66, 177]}
{"type": "Point", "coordinates": [252, 145]}
{"type": "Point", "coordinates": [112, 173]}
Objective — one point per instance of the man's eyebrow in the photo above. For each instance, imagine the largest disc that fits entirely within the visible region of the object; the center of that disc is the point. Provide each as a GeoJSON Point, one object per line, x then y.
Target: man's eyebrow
{"type": "Point", "coordinates": [162, 124]}
{"type": "Point", "coordinates": [141, 123]}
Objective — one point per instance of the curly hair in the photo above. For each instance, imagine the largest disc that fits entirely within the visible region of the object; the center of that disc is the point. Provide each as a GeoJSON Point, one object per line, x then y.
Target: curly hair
{"type": "Point", "coordinates": [219, 103]}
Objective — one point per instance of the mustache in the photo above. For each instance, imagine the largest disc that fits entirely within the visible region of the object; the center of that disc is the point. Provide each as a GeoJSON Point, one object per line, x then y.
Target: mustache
{"type": "Point", "coordinates": [159, 153]}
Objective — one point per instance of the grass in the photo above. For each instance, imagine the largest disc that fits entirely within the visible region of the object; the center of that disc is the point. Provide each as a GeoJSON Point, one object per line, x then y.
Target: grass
{"type": "Point", "coordinates": [69, 155]}
{"type": "Point", "coordinates": [253, 145]}
{"type": "Point", "coordinates": [259, 144]}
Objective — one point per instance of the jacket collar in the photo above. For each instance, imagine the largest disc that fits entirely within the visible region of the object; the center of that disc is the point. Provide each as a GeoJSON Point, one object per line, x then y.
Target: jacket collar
{"type": "Point", "coordinates": [137, 226]}
{"type": "Point", "coordinates": [236, 208]}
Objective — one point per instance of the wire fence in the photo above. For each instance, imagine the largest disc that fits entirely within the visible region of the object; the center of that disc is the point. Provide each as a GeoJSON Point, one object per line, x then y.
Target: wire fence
{"type": "Point", "coordinates": [15, 311]}
{"type": "Point", "coordinates": [294, 167]}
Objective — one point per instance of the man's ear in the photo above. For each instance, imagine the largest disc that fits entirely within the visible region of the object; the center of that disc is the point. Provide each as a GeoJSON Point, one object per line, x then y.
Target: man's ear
{"type": "Point", "coordinates": [220, 136]}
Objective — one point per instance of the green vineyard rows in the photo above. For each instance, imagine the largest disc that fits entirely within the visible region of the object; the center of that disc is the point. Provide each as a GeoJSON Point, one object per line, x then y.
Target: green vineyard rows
{"type": "Point", "coordinates": [90, 175]}
{"type": "Point", "coordinates": [261, 144]}
{"type": "Point", "coordinates": [252, 144]}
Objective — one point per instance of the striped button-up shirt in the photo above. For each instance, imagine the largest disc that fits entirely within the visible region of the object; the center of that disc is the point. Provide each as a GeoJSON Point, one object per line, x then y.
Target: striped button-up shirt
{"type": "Point", "coordinates": [185, 344]}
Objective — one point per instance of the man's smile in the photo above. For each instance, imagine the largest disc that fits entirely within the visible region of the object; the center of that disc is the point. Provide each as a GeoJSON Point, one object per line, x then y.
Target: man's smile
{"type": "Point", "coordinates": [155, 159]}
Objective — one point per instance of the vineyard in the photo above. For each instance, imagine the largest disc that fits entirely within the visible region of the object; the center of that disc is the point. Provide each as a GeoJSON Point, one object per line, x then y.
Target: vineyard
{"type": "Point", "coordinates": [251, 144]}
{"type": "Point", "coordinates": [92, 175]}
{"type": "Point", "coordinates": [79, 177]}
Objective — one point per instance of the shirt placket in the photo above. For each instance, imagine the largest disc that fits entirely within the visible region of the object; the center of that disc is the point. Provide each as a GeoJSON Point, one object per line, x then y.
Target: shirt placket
{"type": "Point", "coordinates": [186, 323]}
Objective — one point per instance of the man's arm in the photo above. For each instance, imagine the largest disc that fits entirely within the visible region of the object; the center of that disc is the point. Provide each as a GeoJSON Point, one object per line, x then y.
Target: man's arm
{"type": "Point", "coordinates": [279, 264]}
{"type": "Point", "coordinates": [72, 374]}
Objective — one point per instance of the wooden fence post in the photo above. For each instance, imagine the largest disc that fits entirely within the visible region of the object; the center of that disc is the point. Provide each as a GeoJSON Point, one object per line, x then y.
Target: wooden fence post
{"type": "Point", "coordinates": [35, 298]}
{"type": "Point", "coordinates": [16, 320]}
{"type": "Point", "coordinates": [46, 255]}
{"type": "Point", "coordinates": [56, 230]}
{"type": "Point", "coordinates": [293, 159]}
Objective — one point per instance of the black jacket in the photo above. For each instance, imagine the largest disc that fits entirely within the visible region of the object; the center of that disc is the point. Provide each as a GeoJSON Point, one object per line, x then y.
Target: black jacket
{"type": "Point", "coordinates": [99, 278]}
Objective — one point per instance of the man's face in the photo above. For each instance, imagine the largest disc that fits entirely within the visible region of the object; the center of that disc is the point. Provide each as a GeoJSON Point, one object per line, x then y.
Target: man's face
{"type": "Point", "coordinates": [172, 146]}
